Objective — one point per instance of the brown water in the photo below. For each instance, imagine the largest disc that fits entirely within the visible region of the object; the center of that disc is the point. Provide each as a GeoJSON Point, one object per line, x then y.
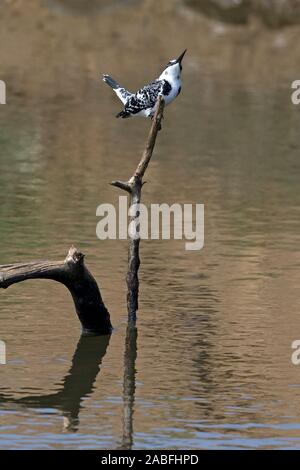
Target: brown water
{"type": "Point", "coordinates": [215, 327]}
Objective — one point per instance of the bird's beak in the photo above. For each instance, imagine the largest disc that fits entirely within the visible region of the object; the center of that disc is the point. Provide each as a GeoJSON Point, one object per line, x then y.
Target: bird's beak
{"type": "Point", "coordinates": [179, 60]}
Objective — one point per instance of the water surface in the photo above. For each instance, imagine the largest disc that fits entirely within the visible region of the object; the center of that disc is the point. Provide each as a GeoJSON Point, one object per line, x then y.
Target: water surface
{"type": "Point", "coordinates": [210, 366]}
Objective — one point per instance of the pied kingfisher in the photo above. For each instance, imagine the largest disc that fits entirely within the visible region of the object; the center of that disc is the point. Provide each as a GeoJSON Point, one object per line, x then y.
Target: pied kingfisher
{"type": "Point", "coordinates": [142, 103]}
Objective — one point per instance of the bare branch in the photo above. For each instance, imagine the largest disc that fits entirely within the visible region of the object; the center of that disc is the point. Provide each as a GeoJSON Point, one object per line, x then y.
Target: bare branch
{"type": "Point", "coordinates": [156, 126]}
{"type": "Point", "coordinates": [134, 187]}
{"type": "Point", "coordinates": [121, 185]}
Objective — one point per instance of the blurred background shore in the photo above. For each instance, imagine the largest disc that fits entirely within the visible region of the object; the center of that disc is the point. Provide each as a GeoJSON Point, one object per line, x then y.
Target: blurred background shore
{"type": "Point", "coordinates": [68, 42]}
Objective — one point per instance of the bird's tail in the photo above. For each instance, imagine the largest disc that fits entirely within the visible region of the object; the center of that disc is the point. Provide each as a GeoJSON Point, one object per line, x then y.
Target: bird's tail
{"type": "Point", "coordinates": [111, 82]}
{"type": "Point", "coordinates": [123, 114]}
{"type": "Point", "coordinates": [121, 93]}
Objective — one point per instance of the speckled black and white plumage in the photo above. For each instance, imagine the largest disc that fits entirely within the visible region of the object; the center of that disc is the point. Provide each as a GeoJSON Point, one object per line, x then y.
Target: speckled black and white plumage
{"type": "Point", "coordinates": [145, 98]}
{"type": "Point", "coordinates": [142, 103]}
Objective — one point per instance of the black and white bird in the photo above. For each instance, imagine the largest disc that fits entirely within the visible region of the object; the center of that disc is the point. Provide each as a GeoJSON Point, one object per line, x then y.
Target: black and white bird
{"type": "Point", "coordinates": [142, 103]}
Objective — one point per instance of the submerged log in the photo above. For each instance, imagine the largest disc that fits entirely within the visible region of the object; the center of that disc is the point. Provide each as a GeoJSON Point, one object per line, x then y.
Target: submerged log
{"type": "Point", "coordinates": [72, 273]}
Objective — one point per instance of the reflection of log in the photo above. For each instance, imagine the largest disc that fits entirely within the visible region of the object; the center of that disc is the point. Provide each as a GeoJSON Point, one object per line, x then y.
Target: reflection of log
{"type": "Point", "coordinates": [129, 386]}
{"type": "Point", "coordinates": [72, 273]}
{"type": "Point", "coordinates": [134, 188]}
{"type": "Point", "coordinates": [78, 384]}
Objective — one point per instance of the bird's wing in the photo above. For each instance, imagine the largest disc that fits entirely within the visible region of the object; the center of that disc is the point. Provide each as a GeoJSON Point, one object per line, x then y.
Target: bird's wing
{"type": "Point", "coordinates": [145, 98]}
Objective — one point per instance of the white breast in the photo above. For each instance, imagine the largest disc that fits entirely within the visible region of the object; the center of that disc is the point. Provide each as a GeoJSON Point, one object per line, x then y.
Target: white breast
{"type": "Point", "coordinates": [174, 91]}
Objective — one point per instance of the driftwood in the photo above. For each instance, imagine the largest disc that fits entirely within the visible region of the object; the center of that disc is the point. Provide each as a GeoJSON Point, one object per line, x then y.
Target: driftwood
{"type": "Point", "coordinates": [73, 274]}
{"type": "Point", "coordinates": [134, 187]}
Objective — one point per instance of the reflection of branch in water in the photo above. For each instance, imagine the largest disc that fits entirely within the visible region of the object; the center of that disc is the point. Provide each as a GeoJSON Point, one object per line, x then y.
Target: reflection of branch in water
{"type": "Point", "coordinates": [129, 385]}
{"type": "Point", "coordinates": [77, 384]}
{"type": "Point", "coordinates": [204, 358]}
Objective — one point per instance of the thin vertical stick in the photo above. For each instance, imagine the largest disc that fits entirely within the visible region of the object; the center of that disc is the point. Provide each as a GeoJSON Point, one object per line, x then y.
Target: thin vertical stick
{"type": "Point", "coordinates": [134, 188]}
